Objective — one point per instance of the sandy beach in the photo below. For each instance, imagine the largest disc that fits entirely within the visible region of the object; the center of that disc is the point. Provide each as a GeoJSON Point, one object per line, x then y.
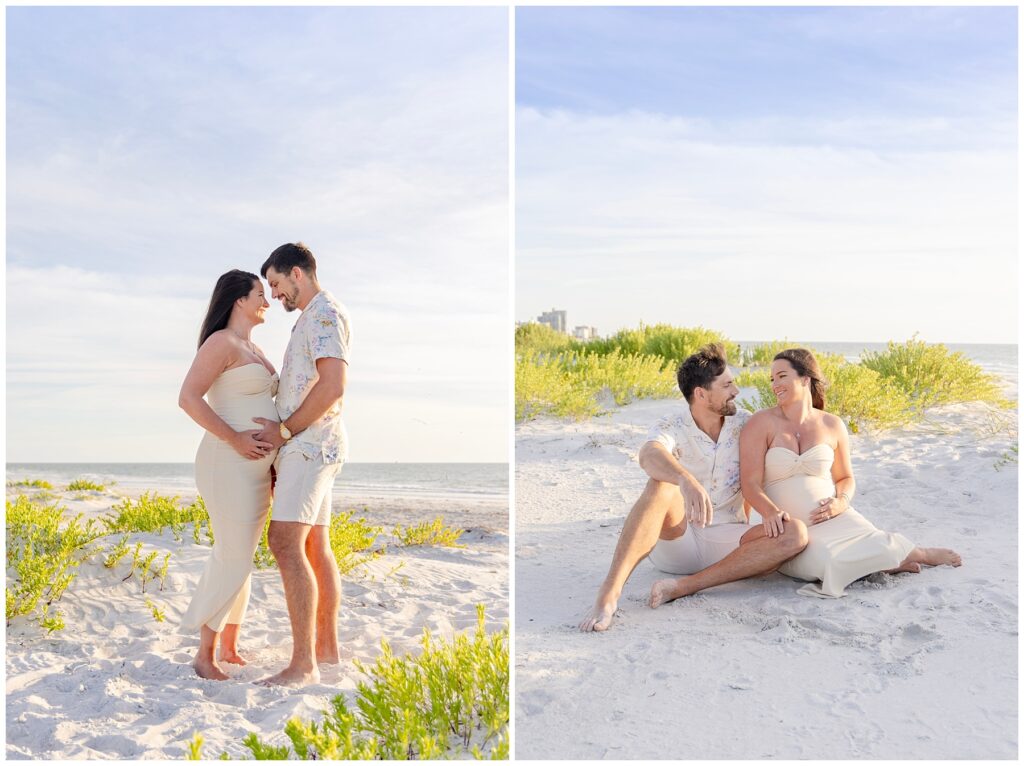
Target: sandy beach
{"type": "Point", "coordinates": [117, 684]}
{"type": "Point", "coordinates": [907, 666]}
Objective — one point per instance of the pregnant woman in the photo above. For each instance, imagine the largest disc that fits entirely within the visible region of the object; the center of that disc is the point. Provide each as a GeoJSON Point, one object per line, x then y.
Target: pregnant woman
{"type": "Point", "coordinates": [232, 468]}
{"type": "Point", "coordinates": [795, 458]}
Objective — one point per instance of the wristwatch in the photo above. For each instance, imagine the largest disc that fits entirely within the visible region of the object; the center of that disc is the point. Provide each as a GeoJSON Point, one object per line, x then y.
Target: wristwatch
{"type": "Point", "coordinates": [285, 433]}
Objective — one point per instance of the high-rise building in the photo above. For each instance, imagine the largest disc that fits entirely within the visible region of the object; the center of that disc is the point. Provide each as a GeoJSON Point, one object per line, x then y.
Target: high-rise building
{"type": "Point", "coordinates": [554, 319]}
{"type": "Point", "coordinates": [584, 332]}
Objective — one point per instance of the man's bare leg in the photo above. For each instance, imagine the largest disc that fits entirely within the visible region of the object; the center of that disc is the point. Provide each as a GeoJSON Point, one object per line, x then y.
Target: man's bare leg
{"type": "Point", "coordinates": [328, 586]}
{"type": "Point", "coordinates": [756, 555]}
{"type": "Point", "coordinates": [929, 557]}
{"type": "Point", "coordinates": [288, 544]}
{"type": "Point", "coordinates": [658, 513]}
{"type": "Point", "coordinates": [205, 662]}
{"type": "Point", "coordinates": [229, 645]}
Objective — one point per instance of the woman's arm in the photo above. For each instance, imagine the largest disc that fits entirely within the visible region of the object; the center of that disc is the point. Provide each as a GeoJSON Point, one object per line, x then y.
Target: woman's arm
{"type": "Point", "coordinates": [753, 446]}
{"type": "Point", "coordinates": [842, 475]}
{"type": "Point", "coordinates": [213, 358]}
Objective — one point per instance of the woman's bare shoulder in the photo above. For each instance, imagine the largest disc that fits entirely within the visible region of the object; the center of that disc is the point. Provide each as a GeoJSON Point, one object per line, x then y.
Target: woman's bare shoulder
{"type": "Point", "coordinates": [833, 422]}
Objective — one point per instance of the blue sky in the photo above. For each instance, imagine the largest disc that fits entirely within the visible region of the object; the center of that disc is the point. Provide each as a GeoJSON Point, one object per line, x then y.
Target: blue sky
{"type": "Point", "coordinates": [740, 167]}
{"type": "Point", "coordinates": [151, 149]}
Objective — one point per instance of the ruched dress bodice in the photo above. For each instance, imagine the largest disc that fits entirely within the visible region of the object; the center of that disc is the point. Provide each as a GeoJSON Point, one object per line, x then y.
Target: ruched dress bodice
{"type": "Point", "coordinates": [842, 549]}
{"type": "Point", "coordinates": [797, 483]}
{"type": "Point", "coordinates": [236, 491]}
{"type": "Point", "coordinates": [242, 393]}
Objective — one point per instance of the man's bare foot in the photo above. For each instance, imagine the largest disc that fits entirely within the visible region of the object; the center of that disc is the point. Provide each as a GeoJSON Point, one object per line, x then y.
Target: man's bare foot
{"type": "Point", "coordinates": [208, 668]}
{"type": "Point", "coordinates": [327, 657]}
{"type": "Point", "coordinates": [233, 657]}
{"type": "Point", "coordinates": [600, 616]}
{"type": "Point", "coordinates": [667, 590]}
{"type": "Point", "coordinates": [292, 677]}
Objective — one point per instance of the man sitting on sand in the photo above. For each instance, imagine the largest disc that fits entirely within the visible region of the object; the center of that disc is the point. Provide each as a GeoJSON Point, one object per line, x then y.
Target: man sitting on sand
{"type": "Point", "coordinates": [691, 519]}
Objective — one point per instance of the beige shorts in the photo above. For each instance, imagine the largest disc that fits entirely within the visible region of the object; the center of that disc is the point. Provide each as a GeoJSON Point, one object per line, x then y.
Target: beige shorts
{"type": "Point", "coordinates": [698, 548]}
{"type": "Point", "coordinates": [302, 492]}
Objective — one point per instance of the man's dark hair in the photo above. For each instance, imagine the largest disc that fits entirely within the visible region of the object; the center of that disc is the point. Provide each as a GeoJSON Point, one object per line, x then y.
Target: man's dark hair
{"type": "Point", "coordinates": [288, 256]}
{"type": "Point", "coordinates": [701, 368]}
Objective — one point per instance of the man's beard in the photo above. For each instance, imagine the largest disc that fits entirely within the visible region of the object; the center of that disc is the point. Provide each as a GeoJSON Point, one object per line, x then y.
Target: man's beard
{"type": "Point", "coordinates": [290, 302]}
{"type": "Point", "coordinates": [728, 408]}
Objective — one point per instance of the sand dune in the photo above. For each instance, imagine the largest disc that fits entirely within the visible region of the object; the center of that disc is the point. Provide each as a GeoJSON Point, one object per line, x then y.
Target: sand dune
{"type": "Point", "coordinates": [906, 666]}
{"type": "Point", "coordinates": [118, 684]}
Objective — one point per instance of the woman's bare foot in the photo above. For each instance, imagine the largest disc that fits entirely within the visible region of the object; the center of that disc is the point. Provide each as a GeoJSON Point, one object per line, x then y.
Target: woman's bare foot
{"type": "Point", "coordinates": [667, 590]}
{"type": "Point", "coordinates": [233, 657]}
{"type": "Point", "coordinates": [935, 557]}
{"type": "Point", "coordinates": [207, 667]}
{"type": "Point", "coordinates": [600, 616]}
{"type": "Point", "coordinates": [292, 677]}
{"type": "Point", "coordinates": [929, 557]}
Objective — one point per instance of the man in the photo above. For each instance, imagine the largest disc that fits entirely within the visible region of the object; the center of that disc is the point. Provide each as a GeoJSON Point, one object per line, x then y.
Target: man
{"type": "Point", "coordinates": [691, 519]}
{"type": "Point", "coordinates": [312, 448]}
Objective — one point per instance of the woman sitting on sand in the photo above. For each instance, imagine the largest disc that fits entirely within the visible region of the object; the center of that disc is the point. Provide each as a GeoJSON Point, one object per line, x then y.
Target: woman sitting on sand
{"type": "Point", "coordinates": [795, 458]}
{"type": "Point", "coordinates": [232, 468]}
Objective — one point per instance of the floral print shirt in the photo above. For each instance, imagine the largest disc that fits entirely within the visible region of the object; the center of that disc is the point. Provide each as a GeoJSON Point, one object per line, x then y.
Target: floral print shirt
{"type": "Point", "coordinates": [323, 330]}
{"type": "Point", "coordinates": [715, 465]}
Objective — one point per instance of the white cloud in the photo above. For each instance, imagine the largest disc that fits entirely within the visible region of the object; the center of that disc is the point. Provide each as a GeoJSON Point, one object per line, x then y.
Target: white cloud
{"type": "Point", "coordinates": [167, 146]}
{"type": "Point", "coordinates": [641, 217]}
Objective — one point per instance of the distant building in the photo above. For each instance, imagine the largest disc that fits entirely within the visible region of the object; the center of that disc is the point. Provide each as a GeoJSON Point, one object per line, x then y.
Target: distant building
{"type": "Point", "coordinates": [584, 332]}
{"type": "Point", "coordinates": [556, 320]}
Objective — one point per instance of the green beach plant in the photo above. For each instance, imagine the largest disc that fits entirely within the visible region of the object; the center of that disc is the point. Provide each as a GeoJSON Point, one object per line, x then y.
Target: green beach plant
{"type": "Point", "coordinates": [118, 552]}
{"type": "Point", "coordinates": [450, 701]}
{"type": "Point", "coordinates": [931, 375]}
{"type": "Point", "coordinates": [158, 613]}
{"type": "Point", "coordinates": [152, 512]}
{"type": "Point", "coordinates": [352, 541]}
{"type": "Point", "coordinates": [428, 533]}
{"type": "Point", "coordinates": [31, 484]}
{"type": "Point", "coordinates": [762, 354]}
{"type": "Point", "coordinates": [571, 384]}
{"type": "Point", "coordinates": [84, 485]}
{"type": "Point", "coordinates": [672, 344]}
{"type": "Point", "coordinates": [44, 551]}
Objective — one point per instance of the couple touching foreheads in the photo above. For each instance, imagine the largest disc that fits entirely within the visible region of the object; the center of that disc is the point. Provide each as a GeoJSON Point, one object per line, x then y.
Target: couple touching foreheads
{"type": "Point", "coordinates": [257, 447]}
{"type": "Point", "coordinates": [711, 463]}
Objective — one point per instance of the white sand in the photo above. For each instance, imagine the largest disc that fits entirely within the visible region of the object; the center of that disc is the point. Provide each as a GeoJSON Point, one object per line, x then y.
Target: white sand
{"type": "Point", "coordinates": [907, 666]}
{"type": "Point", "coordinates": [117, 684]}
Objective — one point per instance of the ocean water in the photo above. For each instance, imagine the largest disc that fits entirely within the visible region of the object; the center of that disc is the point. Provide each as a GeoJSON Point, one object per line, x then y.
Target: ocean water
{"type": "Point", "coordinates": [443, 481]}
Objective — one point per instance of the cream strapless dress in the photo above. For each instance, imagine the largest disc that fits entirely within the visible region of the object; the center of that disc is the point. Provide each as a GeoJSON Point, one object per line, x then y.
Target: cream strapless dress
{"type": "Point", "coordinates": [842, 549]}
{"type": "Point", "coordinates": [237, 495]}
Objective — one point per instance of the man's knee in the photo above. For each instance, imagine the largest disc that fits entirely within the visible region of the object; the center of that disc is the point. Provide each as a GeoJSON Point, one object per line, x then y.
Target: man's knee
{"type": "Point", "coordinates": [283, 541]}
{"type": "Point", "coordinates": [795, 537]}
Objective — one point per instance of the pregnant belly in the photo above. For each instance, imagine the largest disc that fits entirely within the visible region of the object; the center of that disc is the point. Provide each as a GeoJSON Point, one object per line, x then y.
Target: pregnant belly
{"type": "Point", "coordinates": [240, 415]}
{"type": "Point", "coordinates": [799, 495]}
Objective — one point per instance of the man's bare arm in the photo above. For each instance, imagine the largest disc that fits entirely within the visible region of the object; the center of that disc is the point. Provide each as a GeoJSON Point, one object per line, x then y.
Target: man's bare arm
{"type": "Point", "coordinates": [661, 465]}
{"type": "Point", "coordinates": [328, 390]}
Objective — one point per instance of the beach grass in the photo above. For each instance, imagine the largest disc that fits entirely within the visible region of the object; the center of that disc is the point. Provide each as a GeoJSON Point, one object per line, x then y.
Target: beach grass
{"type": "Point", "coordinates": [31, 484]}
{"type": "Point", "coordinates": [428, 533]}
{"type": "Point", "coordinates": [84, 485]}
{"type": "Point", "coordinates": [44, 551]}
{"type": "Point", "coordinates": [558, 376]}
{"type": "Point", "coordinates": [451, 700]}
{"type": "Point", "coordinates": [153, 512]}
{"type": "Point", "coordinates": [932, 375]}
